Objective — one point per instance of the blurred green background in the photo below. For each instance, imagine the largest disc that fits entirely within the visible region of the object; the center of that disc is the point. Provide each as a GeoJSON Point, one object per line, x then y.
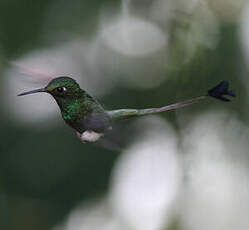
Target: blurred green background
{"type": "Point", "coordinates": [134, 54]}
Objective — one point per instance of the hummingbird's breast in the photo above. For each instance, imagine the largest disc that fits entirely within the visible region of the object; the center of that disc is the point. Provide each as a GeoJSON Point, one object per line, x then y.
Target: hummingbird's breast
{"type": "Point", "coordinates": [97, 122]}
{"type": "Point", "coordinates": [82, 118]}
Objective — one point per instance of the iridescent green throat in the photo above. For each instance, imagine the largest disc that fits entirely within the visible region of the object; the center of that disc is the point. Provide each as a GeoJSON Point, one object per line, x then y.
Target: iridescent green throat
{"type": "Point", "coordinates": [70, 111]}
{"type": "Point", "coordinates": [75, 107]}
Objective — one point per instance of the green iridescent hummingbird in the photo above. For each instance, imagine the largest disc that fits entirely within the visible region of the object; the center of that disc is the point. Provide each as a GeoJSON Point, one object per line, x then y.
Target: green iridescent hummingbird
{"type": "Point", "coordinates": [84, 114]}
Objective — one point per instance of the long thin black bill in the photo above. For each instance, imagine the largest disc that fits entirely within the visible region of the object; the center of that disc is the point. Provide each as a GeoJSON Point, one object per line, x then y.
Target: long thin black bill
{"type": "Point", "coordinates": [32, 91]}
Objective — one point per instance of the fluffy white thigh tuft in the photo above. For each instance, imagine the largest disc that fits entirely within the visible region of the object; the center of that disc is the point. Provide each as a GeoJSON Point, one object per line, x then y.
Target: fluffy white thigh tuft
{"type": "Point", "coordinates": [89, 136]}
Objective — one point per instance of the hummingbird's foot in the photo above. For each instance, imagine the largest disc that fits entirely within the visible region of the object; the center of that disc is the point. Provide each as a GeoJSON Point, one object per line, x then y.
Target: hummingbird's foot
{"type": "Point", "coordinates": [89, 136]}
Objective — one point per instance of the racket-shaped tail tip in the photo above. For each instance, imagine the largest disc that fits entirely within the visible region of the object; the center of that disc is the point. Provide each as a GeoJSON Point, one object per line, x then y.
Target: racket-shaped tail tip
{"type": "Point", "coordinates": [220, 91]}
{"type": "Point", "coordinates": [231, 93]}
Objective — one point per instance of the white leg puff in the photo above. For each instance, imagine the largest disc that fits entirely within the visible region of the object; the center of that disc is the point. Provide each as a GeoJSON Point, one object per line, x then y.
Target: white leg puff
{"type": "Point", "coordinates": [89, 136]}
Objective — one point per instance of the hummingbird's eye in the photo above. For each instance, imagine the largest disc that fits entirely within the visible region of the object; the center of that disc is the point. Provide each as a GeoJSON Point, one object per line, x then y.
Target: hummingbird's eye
{"type": "Point", "coordinates": [61, 89]}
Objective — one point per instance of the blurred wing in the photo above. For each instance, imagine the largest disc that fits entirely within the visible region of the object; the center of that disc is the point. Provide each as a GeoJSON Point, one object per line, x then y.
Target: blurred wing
{"type": "Point", "coordinates": [119, 137]}
{"type": "Point", "coordinates": [117, 134]}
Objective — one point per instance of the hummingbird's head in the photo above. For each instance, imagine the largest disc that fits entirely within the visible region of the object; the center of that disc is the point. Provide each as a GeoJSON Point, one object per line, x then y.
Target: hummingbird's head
{"type": "Point", "coordinates": [60, 88]}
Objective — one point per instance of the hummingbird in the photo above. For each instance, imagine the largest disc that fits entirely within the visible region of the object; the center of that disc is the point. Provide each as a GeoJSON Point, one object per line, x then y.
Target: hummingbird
{"type": "Point", "coordinates": [91, 121]}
